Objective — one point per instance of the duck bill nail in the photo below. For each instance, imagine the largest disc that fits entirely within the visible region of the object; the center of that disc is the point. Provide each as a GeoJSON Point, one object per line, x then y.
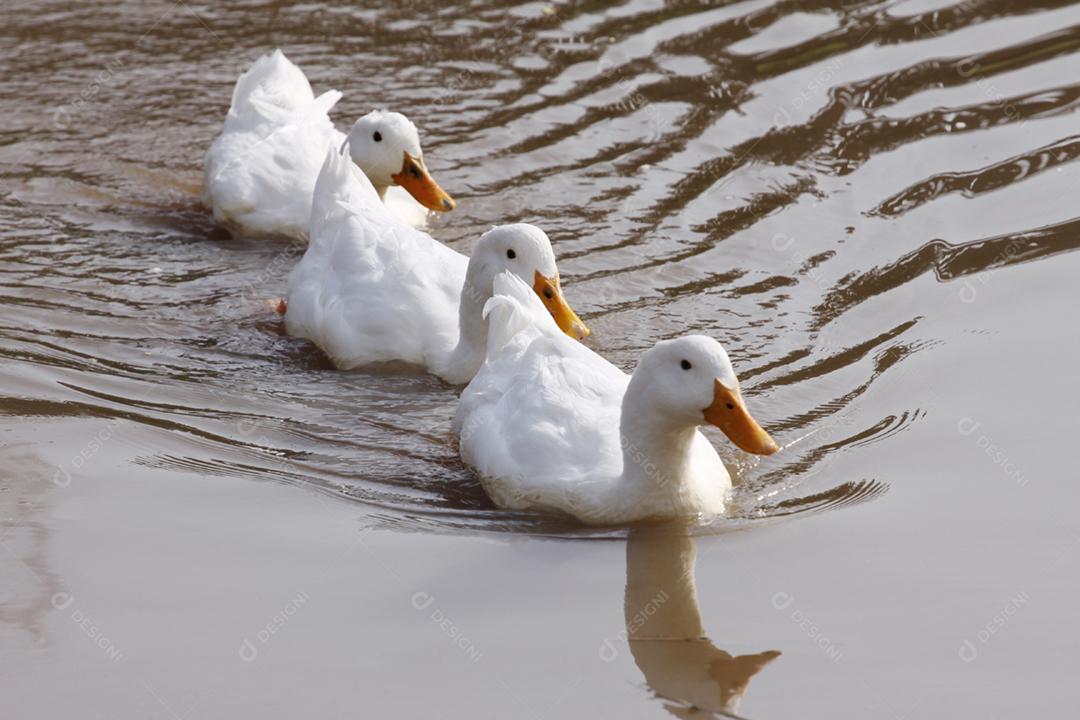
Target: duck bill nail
{"type": "Point", "coordinates": [417, 182]}
{"type": "Point", "coordinates": [728, 412]}
{"type": "Point", "coordinates": [551, 294]}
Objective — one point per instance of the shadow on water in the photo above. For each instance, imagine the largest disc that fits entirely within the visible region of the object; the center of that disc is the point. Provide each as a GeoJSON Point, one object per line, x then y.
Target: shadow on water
{"type": "Point", "coordinates": [683, 667]}
{"type": "Point", "coordinates": [667, 145]}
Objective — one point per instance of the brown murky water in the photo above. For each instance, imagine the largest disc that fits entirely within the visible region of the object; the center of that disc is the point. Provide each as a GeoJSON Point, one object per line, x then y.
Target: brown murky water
{"type": "Point", "coordinates": [871, 204]}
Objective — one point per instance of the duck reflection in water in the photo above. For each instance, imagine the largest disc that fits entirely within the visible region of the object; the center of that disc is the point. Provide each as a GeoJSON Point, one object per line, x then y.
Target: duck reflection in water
{"type": "Point", "coordinates": [665, 631]}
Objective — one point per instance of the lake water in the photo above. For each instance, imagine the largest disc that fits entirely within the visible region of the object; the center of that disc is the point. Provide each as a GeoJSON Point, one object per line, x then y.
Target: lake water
{"type": "Point", "coordinates": [871, 204]}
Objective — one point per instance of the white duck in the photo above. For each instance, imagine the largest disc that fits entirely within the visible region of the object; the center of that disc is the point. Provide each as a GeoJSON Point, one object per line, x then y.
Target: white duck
{"type": "Point", "coordinates": [260, 172]}
{"type": "Point", "coordinates": [370, 289]}
{"type": "Point", "coordinates": [550, 425]}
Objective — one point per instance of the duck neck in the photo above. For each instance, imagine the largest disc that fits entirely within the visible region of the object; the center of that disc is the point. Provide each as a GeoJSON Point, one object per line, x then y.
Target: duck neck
{"type": "Point", "coordinates": [361, 164]}
{"type": "Point", "coordinates": [656, 452]}
{"type": "Point", "coordinates": [468, 355]}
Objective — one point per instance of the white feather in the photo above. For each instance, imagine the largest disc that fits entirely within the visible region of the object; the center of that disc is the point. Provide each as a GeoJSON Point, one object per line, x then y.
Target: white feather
{"type": "Point", "coordinates": [259, 173]}
{"type": "Point", "coordinates": [369, 288]}
{"type": "Point", "coordinates": [513, 307]}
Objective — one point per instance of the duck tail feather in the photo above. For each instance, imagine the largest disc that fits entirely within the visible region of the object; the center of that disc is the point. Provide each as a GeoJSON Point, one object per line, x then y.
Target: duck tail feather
{"type": "Point", "coordinates": [273, 87]}
{"type": "Point", "coordinates": [512, 308]}
{"type": "Point", "coordinates": [341, 185]}
{"type": "Point", "coordinates": [323, 104]}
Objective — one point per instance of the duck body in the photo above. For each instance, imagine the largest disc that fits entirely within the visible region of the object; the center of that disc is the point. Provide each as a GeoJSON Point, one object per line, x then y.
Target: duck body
{"type": "Point", "coordinates": [260, 173]}
{"type": "Point", "coordinates": [371, 289]}
{"type": "Point", "coordinates": [551, 426]}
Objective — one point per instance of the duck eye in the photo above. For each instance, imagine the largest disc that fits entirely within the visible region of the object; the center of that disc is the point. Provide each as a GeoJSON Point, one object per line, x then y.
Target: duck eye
{"type": "Point", "coordinates": [730, 406]}
{"type": "Point", "coordinates": [548, 294]}
{"type": "Point", "coordinates": [377, 136]}
{"type": "Point", "coordinates": [511, 254]}
{"type": "Point", "coordinates": [414, 171]}
{"type": "Point", "coordinates": [686, 365]}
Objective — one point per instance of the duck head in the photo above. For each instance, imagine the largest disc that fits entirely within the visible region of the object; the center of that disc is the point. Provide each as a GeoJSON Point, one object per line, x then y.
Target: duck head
{"type": "Point", "coordinates": [689, 381]}
{"type": "Point", "coordinates": [386, 146]}
{"type": "Point", "coordinates": [525, 250]}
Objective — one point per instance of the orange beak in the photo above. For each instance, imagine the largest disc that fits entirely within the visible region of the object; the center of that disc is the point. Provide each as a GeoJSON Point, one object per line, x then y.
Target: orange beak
{"type": "Point", "coordinates": [551, 294]}
{"type": "Point", "coordinates": [729, 413]}
{"type": "Point", "coordinates": [415, 179]}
